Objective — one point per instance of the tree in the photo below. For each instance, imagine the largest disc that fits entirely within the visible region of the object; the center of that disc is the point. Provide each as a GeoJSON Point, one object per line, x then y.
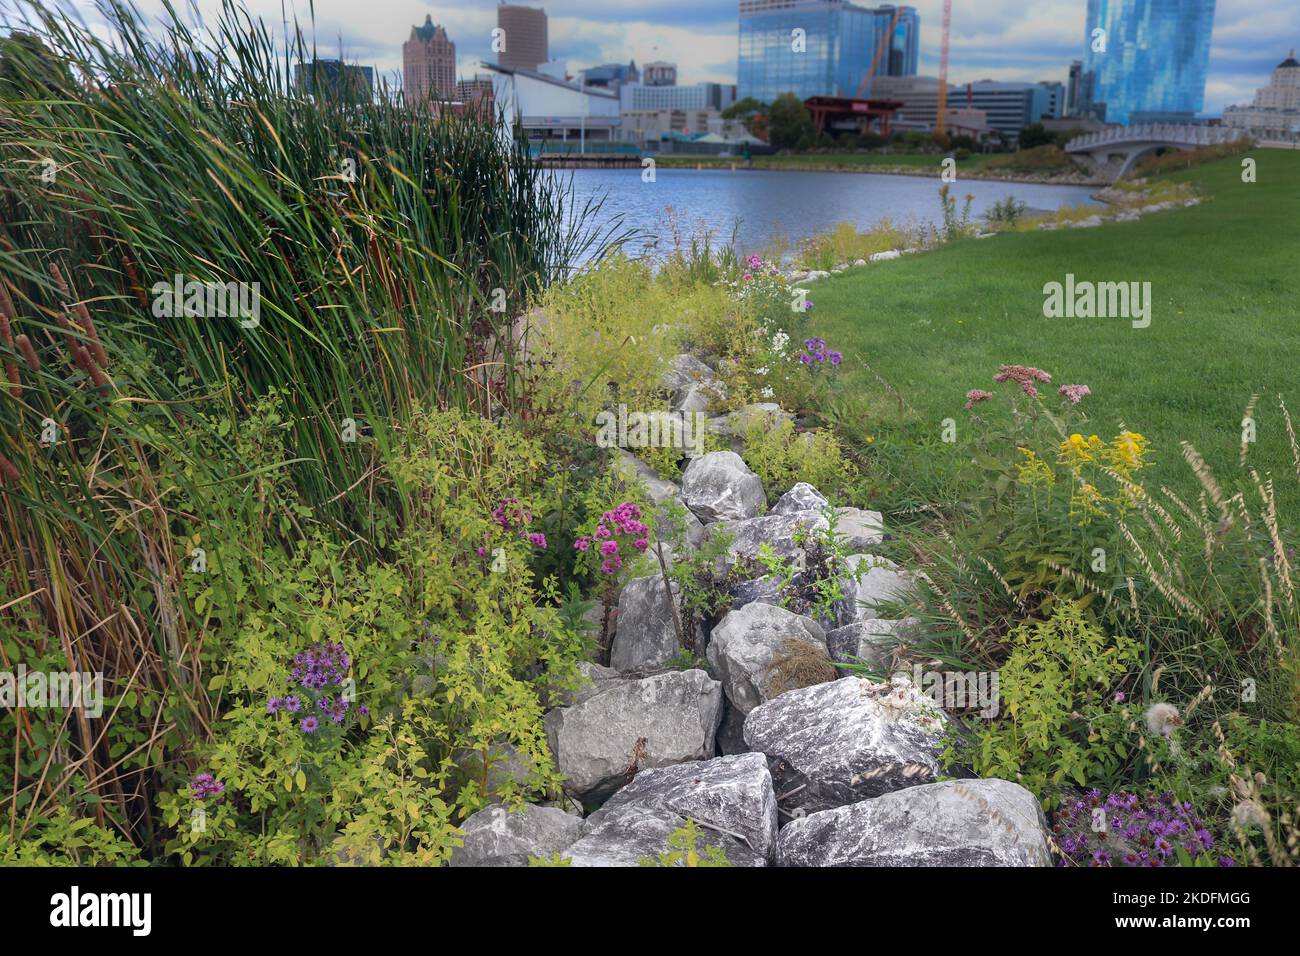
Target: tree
{"type": "Point", "coordinates": [746, 110]}
{"type": "Point", "coordinates": [789, 123]}
{"type": "Point", "coordinates": [1035, 135]}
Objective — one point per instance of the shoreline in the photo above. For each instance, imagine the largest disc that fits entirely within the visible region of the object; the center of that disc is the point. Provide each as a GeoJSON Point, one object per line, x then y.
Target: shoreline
{"type": "Point", "coordinates": [924, 172]}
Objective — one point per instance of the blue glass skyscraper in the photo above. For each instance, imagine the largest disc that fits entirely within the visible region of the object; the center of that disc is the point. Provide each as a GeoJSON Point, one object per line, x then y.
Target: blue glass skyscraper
{"type": "Point", "coordinates": [838, 44]}
{"type": "Point", "coordinates": [1154, 64]}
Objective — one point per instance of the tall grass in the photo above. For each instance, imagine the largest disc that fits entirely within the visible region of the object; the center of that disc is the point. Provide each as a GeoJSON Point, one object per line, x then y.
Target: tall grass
{"type": "Point", "coordinates": [193, 154]}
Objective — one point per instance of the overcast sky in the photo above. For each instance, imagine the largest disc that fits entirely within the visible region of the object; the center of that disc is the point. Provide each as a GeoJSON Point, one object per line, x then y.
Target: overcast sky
{"type": "Point", "coordinates": [991, 39]}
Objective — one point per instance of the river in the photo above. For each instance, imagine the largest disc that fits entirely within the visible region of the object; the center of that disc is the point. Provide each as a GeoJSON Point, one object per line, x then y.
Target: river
{"type": "Point", "coordinates": [761, 205]}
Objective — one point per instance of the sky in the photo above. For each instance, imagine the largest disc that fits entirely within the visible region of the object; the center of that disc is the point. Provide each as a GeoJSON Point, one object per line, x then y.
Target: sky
{"type": "Point", "coordinates": [1026, 40]}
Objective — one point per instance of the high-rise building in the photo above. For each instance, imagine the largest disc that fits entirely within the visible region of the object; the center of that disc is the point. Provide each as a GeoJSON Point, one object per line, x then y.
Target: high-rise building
{"type": "Point", "coordinates": [1072, 90]}
{"type": "Point", "coordinates": [429, 64]}
{"type": "Point", "coordinates": [336, 79]}
{"type": "Point", "coordinates": [821, 47]}
{"type": "Point", "coordinates": [524, 35]}
{"type": "Point", "coordinates": [1149, 63]}
{"type": "Point", "coordinates": [658, 73]}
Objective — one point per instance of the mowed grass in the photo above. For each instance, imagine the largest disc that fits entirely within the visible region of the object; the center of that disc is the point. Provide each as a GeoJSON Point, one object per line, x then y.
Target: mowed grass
{"type": "Point", "coordinates": [1225, 285]}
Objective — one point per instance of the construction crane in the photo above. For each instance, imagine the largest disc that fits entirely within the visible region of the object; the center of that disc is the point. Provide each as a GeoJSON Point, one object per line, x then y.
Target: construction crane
{"type": "Point", "coordinates": [880, 52]}
{"type": "Point", "coordinates": [941, 116]}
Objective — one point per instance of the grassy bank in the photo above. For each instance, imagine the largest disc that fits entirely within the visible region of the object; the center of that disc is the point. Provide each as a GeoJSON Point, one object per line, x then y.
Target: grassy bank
{"type": "Point", "coordinates": [1224, 286]}
{"type": "Point", "coordinates": [839, 161]}
{"type": "Point", "coordinates": [1038, 163]}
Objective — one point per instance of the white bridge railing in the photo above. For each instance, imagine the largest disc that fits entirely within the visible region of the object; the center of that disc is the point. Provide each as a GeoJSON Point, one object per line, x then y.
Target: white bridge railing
{"type": "Point", "coordinates": [1175, 134]}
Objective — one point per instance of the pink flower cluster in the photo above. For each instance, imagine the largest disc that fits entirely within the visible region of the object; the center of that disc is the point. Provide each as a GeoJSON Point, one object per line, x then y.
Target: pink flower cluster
{"type": "Point", "coordinates": [624, 521]}
{"type": "Point", "coordinates": [1074, 393]}
{"type": "Point", "coordinates": [1023, 375]}
{"type": "Point", "coordinates": [512, 516]}
{"type": "Point", "coordinates": [975, 396]}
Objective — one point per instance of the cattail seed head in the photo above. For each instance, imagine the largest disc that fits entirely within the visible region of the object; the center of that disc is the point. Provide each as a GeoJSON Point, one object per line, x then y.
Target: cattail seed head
{"type": "Point", "coordinates": [29, 353]}
{"type": "Point", "coordinates": [8, 471]}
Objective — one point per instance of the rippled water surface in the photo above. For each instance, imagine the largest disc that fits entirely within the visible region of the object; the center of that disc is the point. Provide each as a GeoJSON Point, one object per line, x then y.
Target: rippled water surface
{"type": "Point", "coordinates": [760, 204]}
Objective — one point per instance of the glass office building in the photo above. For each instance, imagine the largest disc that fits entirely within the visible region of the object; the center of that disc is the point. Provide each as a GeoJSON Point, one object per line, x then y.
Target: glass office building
{"type": "Point", "coordinates": [1153, 68]}
{"type": "Point", "coordinates": [838, 44]}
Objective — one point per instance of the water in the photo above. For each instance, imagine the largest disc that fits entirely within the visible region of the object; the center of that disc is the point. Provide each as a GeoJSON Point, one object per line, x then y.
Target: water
{"type": "Point", "coordinates": [760, 204]}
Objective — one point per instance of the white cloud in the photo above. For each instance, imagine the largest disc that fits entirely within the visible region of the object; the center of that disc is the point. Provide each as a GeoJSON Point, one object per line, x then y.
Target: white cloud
{"type": "Point", "coordinates": [996, 39]}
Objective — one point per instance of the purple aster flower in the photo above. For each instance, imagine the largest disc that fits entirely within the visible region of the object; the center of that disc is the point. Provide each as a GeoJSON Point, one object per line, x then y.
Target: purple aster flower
{"type": "Point", "coordinates": [273, 705]}
{"type": "Point", "coordinates": [309, 725]}
{"type": "Point", "coordinates": [291, 704]}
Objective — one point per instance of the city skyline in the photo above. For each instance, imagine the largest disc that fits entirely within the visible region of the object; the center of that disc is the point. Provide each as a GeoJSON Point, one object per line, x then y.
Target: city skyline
{"type": "Point", "coordinates": [999, 41]}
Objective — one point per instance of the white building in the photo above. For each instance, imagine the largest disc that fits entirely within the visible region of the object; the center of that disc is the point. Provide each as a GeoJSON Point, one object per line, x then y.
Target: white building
{"type": "Point", "coordinates": [553, 109]}
{"type": "Point", "coordinates": [695, 96]}
{"type": "Point", "coordinates": [1275, 114]}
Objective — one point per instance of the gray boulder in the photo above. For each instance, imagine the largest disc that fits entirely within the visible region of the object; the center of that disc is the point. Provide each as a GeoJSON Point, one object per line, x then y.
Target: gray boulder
{"type": "Point", "coordinates": [953, 823]}
{"type": "Point", "coordinates": [700, 397]}
{"type": "Point", "coordinates": [595, 679]}
{"type": "Point", "coordinates": [730, 797]}
{"type": "Point", "coordinates": [859, 529]}
{"type": "Point", "coordinates": [751, 649]}
{"type": "Point", "coordinates": [633, 833]}
{"type": "Point", "coordinates": [646, 636]}
{"type": "Point", "coordinates": [848, 740]}
{"type": "Point", "coordinates": [632, 468]}
{"type": "Point", "coordinates": [684, 371]}
{"type": "Point", "coordinates": [802, 497]}
{"type": "Point", "coordinates": [777, 531]}
{"type": "Point", "coordinates": [870, 642]}
{"type": "Point", "coordinates": [720, 486]}
{"type": "Point", "coordinates": [496, 836]}
{"type": "Point", "coordinates": [625, 726]}
{"type": "Point", "coordinates": [880, 580]}
{"type": "Point", "coordinates": [764, 590]}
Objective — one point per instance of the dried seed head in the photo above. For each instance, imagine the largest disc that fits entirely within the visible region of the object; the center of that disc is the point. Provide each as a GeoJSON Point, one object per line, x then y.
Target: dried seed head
{"type": "Point", "coordinates": [29, 353]}
{"type": "Point", "coordinates": [1163, 719]}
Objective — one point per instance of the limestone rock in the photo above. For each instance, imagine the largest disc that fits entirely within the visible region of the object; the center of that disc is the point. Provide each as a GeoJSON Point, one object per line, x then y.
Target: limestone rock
{"type": "Point", "coordinates": [720, 486]}
{"type": "Point", "coordinates": [847, 740]}
{"type": "Point", "coordinates": [747, 643]}
{"type": "Point", "coordinates": [953, 823]}
{"type": "Point", "coordinates": [626, 725]}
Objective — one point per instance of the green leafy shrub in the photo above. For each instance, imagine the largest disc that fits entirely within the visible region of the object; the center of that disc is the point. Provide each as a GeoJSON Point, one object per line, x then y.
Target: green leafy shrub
{"type": "Point", "coordinates": [61, 838]}
{"type": "Point", "coordinates": [1061, 722]}
{"type": "Point", "coordinates": [781, 457]}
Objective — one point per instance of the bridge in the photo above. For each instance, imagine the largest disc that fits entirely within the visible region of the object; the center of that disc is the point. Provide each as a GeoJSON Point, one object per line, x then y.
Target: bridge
{"type": "Point", "coordinates": [1114, 151]}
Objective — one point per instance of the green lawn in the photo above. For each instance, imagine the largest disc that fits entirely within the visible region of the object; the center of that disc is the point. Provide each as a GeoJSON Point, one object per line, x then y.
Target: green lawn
{"type": "Point", "coordinates": [1225, 278]}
